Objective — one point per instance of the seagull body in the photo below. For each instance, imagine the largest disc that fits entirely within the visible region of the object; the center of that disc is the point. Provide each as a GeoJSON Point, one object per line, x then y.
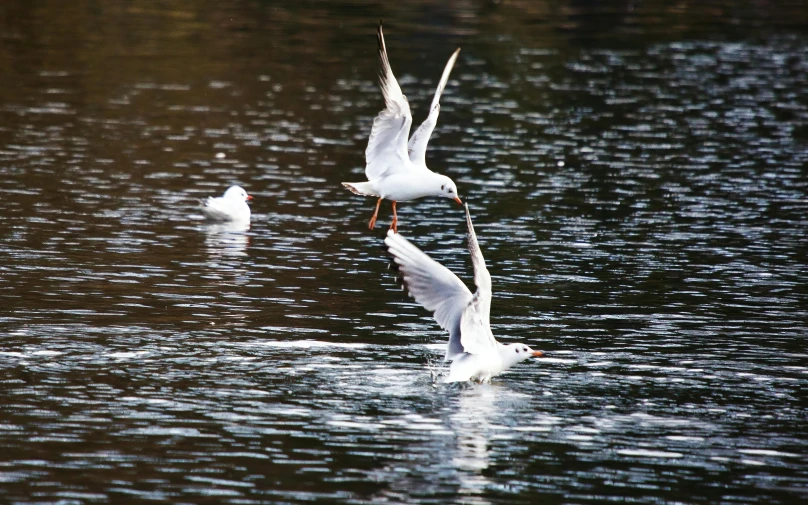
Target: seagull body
{"type": "Point", "coordinates": [474, 352]}
{"type": "Point", "coordinates": [232, 206]}
{"type": "Point", "coordinates": [396, 168]}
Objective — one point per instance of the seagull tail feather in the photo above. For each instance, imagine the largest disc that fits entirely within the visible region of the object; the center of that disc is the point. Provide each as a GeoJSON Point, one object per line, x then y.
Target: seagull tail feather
{"type": "Point", "coordinates": [361, 188]}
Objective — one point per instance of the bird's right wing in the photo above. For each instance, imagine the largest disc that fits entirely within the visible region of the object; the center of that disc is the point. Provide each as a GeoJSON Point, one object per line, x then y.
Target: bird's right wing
{"type": "Point", "coordinates": [433, 286]}
{"type": "Point", "coordinates": [387, 146]}
{"type": "Point", "coordinates": [214, 208]}
{"type": "Point", "coordinates": [481, 276]}
{"type": "Point", "coordinates": [475, 324]}
{"type": "Point", "coordinates": [419, 140]}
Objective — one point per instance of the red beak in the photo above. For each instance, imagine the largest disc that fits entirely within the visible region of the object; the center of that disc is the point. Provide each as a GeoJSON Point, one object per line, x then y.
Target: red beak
{"type": "Point", "coordinates": [249, 197]}
{"type": "Point", "coordinates": [538, 354]}
{"type": "Point", "coordinates": [456, 199]}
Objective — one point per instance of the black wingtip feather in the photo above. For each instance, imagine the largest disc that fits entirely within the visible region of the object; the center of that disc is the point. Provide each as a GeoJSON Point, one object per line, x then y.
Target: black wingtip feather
{"type": "Point", "coordinates": [392, 265]}
{"type": "Point", "coordinates": [396, 268]}
{"type": "Point", "coordinates": [402, 283]}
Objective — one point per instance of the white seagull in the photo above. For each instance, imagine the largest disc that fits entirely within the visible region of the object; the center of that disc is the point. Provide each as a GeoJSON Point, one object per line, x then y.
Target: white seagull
{"type": "Point", "coordinates": [396, 169]}
{"type": "Point", "coordinates": [232, 206]}
{"type": "Point", "coordinates": [474, 352]}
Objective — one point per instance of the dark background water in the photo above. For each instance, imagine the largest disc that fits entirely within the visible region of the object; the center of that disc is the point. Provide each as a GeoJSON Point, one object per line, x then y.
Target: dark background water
{"type": "Point", "coordinates": [637, 176]}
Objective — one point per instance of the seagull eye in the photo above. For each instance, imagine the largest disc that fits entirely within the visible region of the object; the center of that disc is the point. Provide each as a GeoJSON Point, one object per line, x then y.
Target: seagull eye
{"type": "Point", "coordinates": [442, 186]}
{"type": "Point", "coordinates": [517, 350]}
{"type": "Point", "coordinates": [525, 349]}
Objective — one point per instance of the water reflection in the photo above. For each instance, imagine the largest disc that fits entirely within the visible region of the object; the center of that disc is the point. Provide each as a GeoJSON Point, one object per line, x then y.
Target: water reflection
{"type": "Point", "coordinates": [476, 407]}
{"type": "Point", "coordinates": [227, 239]}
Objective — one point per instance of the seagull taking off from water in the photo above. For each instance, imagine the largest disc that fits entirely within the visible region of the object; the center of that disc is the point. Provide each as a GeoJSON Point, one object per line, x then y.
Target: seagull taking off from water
{"type": "Point", "coordinates": [472, 349]}
{"type": "Point", "coordinates": [232, 206]}
{"type": "Point", "coordinates": [395, 168]}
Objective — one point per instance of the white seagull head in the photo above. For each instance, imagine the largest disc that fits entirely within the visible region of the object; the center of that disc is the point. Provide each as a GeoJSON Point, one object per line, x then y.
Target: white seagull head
{"type": "Point", "coordinates": [447, 188]}
{"type": "Point", "coordinates": [512, 354]}
{"type": "Point", "coordinates": [236, 193]}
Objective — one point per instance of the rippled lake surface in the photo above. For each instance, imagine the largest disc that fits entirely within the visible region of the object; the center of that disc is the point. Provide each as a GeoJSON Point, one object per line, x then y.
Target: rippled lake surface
{"type": "Point", "coordinates": [637, 176]}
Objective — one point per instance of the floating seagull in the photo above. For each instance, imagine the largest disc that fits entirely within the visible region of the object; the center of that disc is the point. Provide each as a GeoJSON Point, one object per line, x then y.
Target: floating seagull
{"type": "Point", "coordinates": [396, 169]}
{"type": "Point", "coordinates": [230, 207]}
{"type": "Point", "coordinates": [474, 352]}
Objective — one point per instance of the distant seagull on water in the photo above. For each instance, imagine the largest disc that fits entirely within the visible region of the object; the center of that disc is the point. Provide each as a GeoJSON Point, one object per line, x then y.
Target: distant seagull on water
{"type": "Point", "coordinates": [232, 206]}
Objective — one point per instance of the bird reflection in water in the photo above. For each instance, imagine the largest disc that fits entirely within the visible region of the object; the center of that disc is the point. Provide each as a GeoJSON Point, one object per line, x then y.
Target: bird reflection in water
{"type": "Point", "coordinates": [471, 424]}
{"type": "Point", "coordinates": [229, 239]}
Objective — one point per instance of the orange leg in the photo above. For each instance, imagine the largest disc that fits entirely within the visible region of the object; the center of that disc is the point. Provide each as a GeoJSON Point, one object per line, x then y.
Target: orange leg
{"type": "Point", "coordinates": [394, 224]}
{"type": "Point", "coordinates": [375, 214]}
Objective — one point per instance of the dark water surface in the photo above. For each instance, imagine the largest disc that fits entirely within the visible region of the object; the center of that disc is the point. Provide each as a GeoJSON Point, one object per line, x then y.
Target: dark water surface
{"type": "Point", "coordinates": [637, 174]}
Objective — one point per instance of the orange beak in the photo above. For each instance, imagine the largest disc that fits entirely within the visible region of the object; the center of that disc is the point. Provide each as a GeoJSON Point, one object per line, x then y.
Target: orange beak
{"type": "Point", "coordinates": [538, 354]}
{"type": "Point", "coordinates": [456, 199]}
{"type": "Point", "coordinates": [249, 197]}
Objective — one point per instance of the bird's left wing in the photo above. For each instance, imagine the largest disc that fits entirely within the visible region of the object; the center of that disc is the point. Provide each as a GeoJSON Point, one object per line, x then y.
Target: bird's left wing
{"type": "Point", "coordinates": [387, 146]}
{"type": "Point", "coordinates": [433, 286]}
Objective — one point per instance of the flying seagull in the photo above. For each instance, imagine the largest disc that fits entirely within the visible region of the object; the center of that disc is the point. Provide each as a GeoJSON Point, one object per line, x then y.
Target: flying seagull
{"type": "Point", "coordinates": [395, 168]}
{"type": "Point", "coordinates": [474, 352]}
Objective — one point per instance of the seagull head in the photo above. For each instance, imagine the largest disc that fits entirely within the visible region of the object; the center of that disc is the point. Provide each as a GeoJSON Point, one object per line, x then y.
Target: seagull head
{"type": "Point", "coordinates": [447, 189]}
{"type": "Point", "coordinates": [512, 354]}
{"type": "Point", "coordinates": [237, 193]}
